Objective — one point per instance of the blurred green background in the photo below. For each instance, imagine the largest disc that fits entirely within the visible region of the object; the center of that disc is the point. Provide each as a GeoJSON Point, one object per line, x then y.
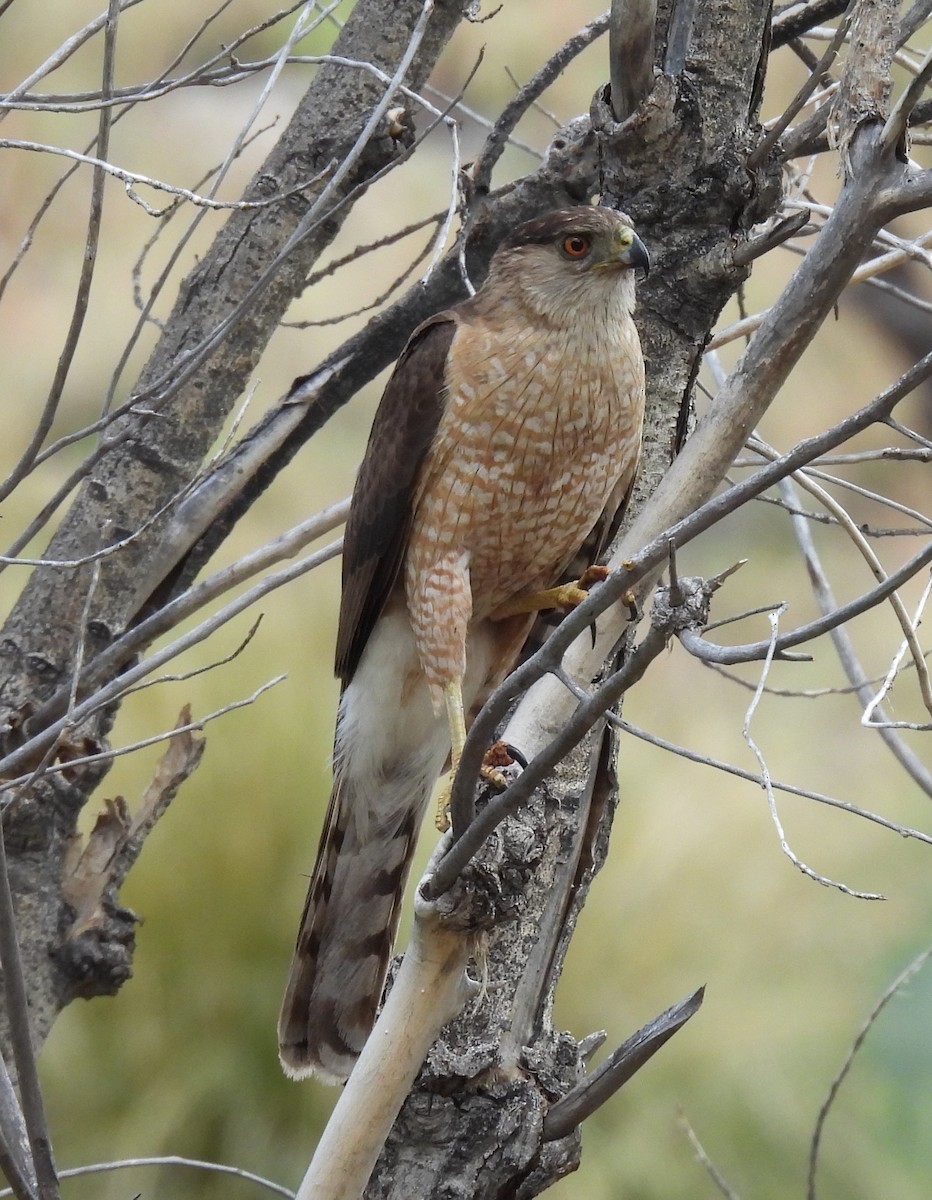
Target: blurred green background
{"type": "Point", "coordinates": [696, 891]}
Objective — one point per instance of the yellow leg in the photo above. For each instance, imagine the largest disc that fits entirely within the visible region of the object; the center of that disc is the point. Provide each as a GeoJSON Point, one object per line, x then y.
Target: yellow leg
{"type": "Point", "coordinates": [565, 597]}
{"type": "Point", "coordinates": [456, 716]}
{"type": "Point", "coordinates": [453, 695]}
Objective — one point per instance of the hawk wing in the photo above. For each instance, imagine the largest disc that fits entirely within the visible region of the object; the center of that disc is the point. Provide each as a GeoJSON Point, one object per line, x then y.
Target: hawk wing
{"type": "Point", "coordinates": [383, 500]}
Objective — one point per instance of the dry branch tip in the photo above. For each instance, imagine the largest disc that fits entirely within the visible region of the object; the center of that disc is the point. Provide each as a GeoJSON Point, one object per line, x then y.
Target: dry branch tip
{"type": "Point", "coordinates": [591, 1093]}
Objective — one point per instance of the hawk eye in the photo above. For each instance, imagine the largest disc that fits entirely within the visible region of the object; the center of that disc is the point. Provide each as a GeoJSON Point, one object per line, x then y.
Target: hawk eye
{"type": "Point", "coordinates": [577, 245]}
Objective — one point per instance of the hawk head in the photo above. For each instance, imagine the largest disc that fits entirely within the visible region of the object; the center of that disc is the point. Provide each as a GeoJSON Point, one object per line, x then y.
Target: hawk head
{"type": "Point", "coordinates": [571, 260]}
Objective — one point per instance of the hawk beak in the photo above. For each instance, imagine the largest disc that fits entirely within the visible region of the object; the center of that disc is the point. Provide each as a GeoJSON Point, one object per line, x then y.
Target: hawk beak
{"type": "Point", "coordinates": [635, 254]}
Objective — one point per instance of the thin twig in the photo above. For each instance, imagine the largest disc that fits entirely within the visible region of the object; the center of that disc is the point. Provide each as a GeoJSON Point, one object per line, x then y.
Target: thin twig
{"type": "Point", "coordinates": [705, 760]}
{"type": "Point", "coordinates": [868, 718]}
{"type": "Point", "coordinates": [106, 756]}
{"type": "Point", "coordinates": [882, 454]}
{"type": "Point", "coordinates": [768, 786]}
{"type": "Point", "coordinates": [761, 152]}
{"type": "Point", "coordinates": [170, 1160]}
{"type": "Point", "coordinates": [184, 676]}
{"type": "Point", "coordinates": [844, 648]}
{"type": "Point", "coordinates": [863, 546]}
{"type": "Point", "coordinates": [88, 265]}
{"type": "Point", "coordinates": [133, 179]}
{"type": "Point", "coordinates": [887, 501]}
{"type": "Point", "coordinates": [358, 252]}
{"type": "Point", "coordinates": [820, 518]}
{"type": "Point", "coordinates": [901, 980]}
{"type": "Point", "coordinates": [443, 232]}
{"type": "Point", "coordinates": [755, 651]}
{"type": "Point", "coordinates": [410, 267]}
{"type": "Point", "coordinates": [516, 108]}
{"type": "Point", "coordinates": [911, 435]}
{"type": "Point", "coordinates": [62, 53]}
{"type": "Point", "coordinates": [710, 1168]}
{"type": "Point", "coordinates": [814, 693]}
{"type": "Point", "coordinates": [25, 754]}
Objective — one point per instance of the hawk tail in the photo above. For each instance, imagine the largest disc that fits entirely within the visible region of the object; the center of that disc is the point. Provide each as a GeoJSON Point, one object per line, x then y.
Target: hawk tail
{"type": "Point", "coordinates": [348, 925]}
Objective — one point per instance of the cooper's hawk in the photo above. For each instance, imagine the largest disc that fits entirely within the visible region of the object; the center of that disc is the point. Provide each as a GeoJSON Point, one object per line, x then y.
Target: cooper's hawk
{"type": "Point", "coordinates": [508, 433]}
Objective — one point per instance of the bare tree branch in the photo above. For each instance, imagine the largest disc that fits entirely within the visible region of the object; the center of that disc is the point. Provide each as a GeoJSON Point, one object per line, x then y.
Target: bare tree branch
{"type": "Point", "coordinates": [729, 655]}
{"type": "Point", "coordinates": [768, 787]}
{"type": "Point", "coordinates": [702, 1157]}
{"type": "Point", "coordinates": [79, 313]}
{"type": "Point", "coordinates": [705, 760]}
{"type": "Point", "coordinates": [911, 762]}
{"type": "Point", "coordinates": [429, 990]}
{"type": "Point", "coordinates": [587, 1097]}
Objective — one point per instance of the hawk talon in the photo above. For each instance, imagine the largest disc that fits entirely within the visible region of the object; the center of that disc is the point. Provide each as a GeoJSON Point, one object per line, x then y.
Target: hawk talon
{"type": "Point", "coordinates": [503, 754]}
{"type": "Point", "coordinates": [442, 820]}
{"type": "Point", "coordinates": [568, 597]}
{"type": "Point", "coordinates": [494, 776]}
{"type": "Point", "coordinates": [499, 754]}
{"type": "Point", "coordinates": [488, 771]}
{"type": "Point", "coordinates": [564, 598]}
{"type": "Point", "coordinates": [597, 573]}
{"type": "Point", "coordinates": [515, 755]}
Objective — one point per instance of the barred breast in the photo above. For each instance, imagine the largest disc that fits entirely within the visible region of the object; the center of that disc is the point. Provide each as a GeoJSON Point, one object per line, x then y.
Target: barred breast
{"type": "Point", "coordinates": [538, 434]}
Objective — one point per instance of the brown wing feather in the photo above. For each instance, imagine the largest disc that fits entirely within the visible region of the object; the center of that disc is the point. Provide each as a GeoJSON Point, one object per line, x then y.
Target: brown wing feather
{"type": "Point", "coordinates": [382, 507]}
{"type": "Point", "coordinates": [606, 528]}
